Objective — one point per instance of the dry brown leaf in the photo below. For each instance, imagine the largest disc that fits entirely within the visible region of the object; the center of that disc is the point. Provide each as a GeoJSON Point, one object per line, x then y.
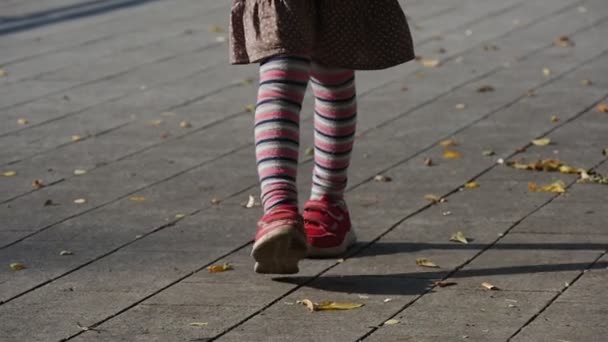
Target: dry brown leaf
{"type": "Point", "coordinates": [541, 142]}
{"type": "Point", "coordinates": [489, 286]}
{"type": "Point", "coordinates": [250, 202]}
{"type": "Point", "coordinates": [138, 199]}
{"type": "Point", "coordinates": [250, 108]}
{"type": "Point", "coordinates": [179, 216]}
{"type": "Point", "coordinates": [428, 161]}
{"type": "Point", "coordinates": [308, 303]}
{"type": "Point", "coordinates": [532, 187]}
{"type": "Point", "coordinates": [76, 137]}
{"type": "Point", "coordinates": [22, 121]}
{"type": "Point", "coordinates": [485, 89]}
{"type": "Point", "coordinates": [602, 108]}
{"type": "Point", "coordinates": [441, 283]}
{"type": "Point", "coordinates": [328, 305]}
{"type": "Point", "coordinates": [9, 173]}
{"type": "Point", "coordinates": [434, 199]}
{"type": "Point", "coordinates": [460, 106]}
{"type": "Point", "coordinates": [459, 237]}
{"type": "Point", "coordinates": [220, 268]}
{"type": "Point", "coordinates": [17, 266]}
{"type": "Point", "coordinates": [563, 41]}
{"type": "Point", "coordinates": [555, 187]}
{"type": "Point", "coordinates": [471, 185]}
{"type": "Point", "coordinates": [531, 93]}
{"type": "Point", "coordinates": [430, 62]}
{"type": "Point", "coordinates": [185, 124]}
{"type": "Point", "coordinates": [216, 201]}
{"type": "Point", "coordinates": [424, 262]}
{"type": "Point", "coordinates": [37, 184]}
{"type": "Point", "coordinates": [2, 72]}
{"type": "Point", "coordinates": [586, 82]}
{"type": "Point", "coordinates": [391, 322]}
{"type": "Point", "coordinates": [605, 151]}
{"type": "Point", "coordinates": [450, 154]}
{"type": "Point", "coordinates": [80, 201]}
{"type": "Point", "coordinates": [383, 179]}
{"type": "Point", "coordinates": [448, 143]}
{"type": "Point", "coordinates": [310, 151]}
{"type": "Point", "coordinates": [555, 119]}
{"type": "Point", "coordinates": [199, 324]}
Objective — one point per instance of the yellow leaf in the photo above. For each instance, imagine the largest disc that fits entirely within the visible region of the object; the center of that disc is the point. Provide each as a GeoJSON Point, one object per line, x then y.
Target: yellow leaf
{"type": "Point", "coordinates": [555, 187]}
{"type": "Point", "coordinates": [567, 169]}
{"type": "Point", "coordinates": [179, 216]}
{"type": "Point", "coordinates": [2, 72]}
{"type": "Point", "coordinates": [392, 322]}
{"type": "Point", "coordinates": [434, 199]}
{"type": "Point", "coordinates": [602, 108]}
{"type": "Point", "coordinates": [250, 108]}
{"type": "Point", "coordinates": [459, 237]}
{"type": "Point", "coordinates": [17, 266]}
{"type": "Point", "coordinates": [489, 286]}
{"type": "Point", "coordinates": [157, 122]}
{"type": "Point", "coordinates": [10, 173]}
{"type": "Point", "coordinates": [383, 179]}
{"type": "Point", "coordinates": [541, 142]}
{"type": "Point", "coordinates": [555, 119]}
{"type": "Point", "coordinates": [328, 305]}
{"type": "Point", "coordinates": [138, 199]}
{"type": "Point", "coordinates": [423, 262]}
{"type": "Point", "coordinates": [247, 81]}
{"type": "Point", "coordinates": [430, 62]}
{"type": "Point", "coordinates": [216, 29]}
{"type": "Point", "coordinates": [546, 72]}
{"type": "Point", "coordinates": [22, 121]}
{"type": "Point", "coordinates": [219, 268]}
{"type": "Point", "coordinates": [472, 185]}
{"type": "Point", "coordinates": [76, 137]}
{"type": "Point", "coordinates": [450, 154]}
{"type": "Point", "coordinates": [185, 124]}
{"type": "Point", "coordinates": [309, 151]}
{"type": "Point", "coordinates": [532, 186]}
{"type": "Point", "coordinates": [199, 324]}
{"type": "Point", "coordinates": [448, 143]}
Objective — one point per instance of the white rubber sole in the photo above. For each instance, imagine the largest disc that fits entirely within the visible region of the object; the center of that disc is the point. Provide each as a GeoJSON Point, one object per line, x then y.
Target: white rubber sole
{"type": "Point", "coordinates": [349, 240]}
{"type": "Point", "coordinates": [279, 251]}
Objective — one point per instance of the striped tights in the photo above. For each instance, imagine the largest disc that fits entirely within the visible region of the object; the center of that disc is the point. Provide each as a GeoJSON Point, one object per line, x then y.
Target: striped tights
{"type": "Point", "coordinates": [283, 82]}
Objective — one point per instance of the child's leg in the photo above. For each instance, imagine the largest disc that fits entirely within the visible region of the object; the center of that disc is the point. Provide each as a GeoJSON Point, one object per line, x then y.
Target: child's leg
{"type": "Point", "coordinates": [326, 218]}
{"type": "Point", "coordinates": [283, 82]}
{"type": "Point", "coordinates": [280, 241]}
{"type": "Point", "coordinates": [335, 123]}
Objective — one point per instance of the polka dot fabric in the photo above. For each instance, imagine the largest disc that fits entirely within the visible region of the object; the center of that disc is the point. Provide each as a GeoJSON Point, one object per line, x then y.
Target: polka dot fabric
{"type": "Point", "coordinates": [349, 34]}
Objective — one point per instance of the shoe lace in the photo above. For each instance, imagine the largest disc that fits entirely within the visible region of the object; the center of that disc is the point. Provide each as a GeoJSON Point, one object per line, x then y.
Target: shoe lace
{"type": "Point", "coordinates": [322, 209]}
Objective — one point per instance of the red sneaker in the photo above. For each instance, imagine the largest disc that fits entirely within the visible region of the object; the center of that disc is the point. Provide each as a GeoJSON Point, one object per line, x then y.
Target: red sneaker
{"type": "Point", "coordinates": [328, 228]}
{"type": "Point", "coordinates": [280, 241]}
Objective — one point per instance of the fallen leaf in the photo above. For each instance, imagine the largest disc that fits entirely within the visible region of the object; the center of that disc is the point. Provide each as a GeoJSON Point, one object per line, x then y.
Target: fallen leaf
{"type": "Point", "coordinates": [157, 122]}
{"type": "Point", "coordinates": [9, 173]}
{"type": "Point", "coordinates": [309, 151]}
{"type": "Point", "coordinates": [383, 179]}
{"type": "Point", "coordinates": [37, 184]}
{"type": "Point", "coordinates": [563, 41]}
{"type": "Point", "coordinates": [555, 187]}
{"type": "Point", "coordinates": [541, 142]}
{"type": "Point", "coordinates": [17, 266]}
{"type": "Point", "coordinates": [220, 268]}
{"type": "Point", "coordinates": [602, 108]}
{"type": "Point", "coordinates": [386, 300]}
{"type": "Point", "coordinates": [22, 121]}
{"type": "Point", "coordinates": [80, 201]}
{"type": "Point", "coordinates": [137, 199]}
{"type": "Point", "coordinates": [605, 151]}
{"type": "Point", "coordinates": [586, 82]}
{"type": "Point", "coordinates": [328, 305]}
{"type": "Point", "coordinates": [446, 213]}
{"type": "Point", "coordinates": [65, 252]}
{"type": "Point", "coordinates": [199, 324]}
{"type": "Point", "coordinates": [423, 262]}
{"type": "Point", "coordinates": [250, 108]}
{"type": "Point", "coordinates": [554, 119]}
{"type": "Point", "coordinates": [546, 72]}
{"type": "Point", "coordinates": [485, 89]}
{"type": "Point", "coordinates": [216, 201]}
{"type": "Point", "coordinates": [216, 29]}
{"type": "Point", "coordinates": [441, 283]}
{"type": "Point", "coordinates": [308, 303]}
{"type": "Point", "coordinates": [532, 187]}
{"type": "Point", "coordinates": [471, 185]}
{"type": "Point", "coordinates": [79, 172]}
{"type": "Point", "coordinates": [185, 124]}
{"type": "Point", "coordinates": [179, 216]}
{"type": "Point", "coordinates": [434, 199]}
{"type": "Point", "coordinates": [250, 202]}
{"type": "Point", "coordinates": [391, 322]}
{"type": "Point", "coordinates": [76, 137]}
{"type": "Point", "coordinates": [164, 135]}
{"type": "Point", "coordinates": [448, 143]}
{"type": "Point", "coordinates": [428, 161]}
{"type": "Point", "coordinates": [460, 106]}
{"type": "Point", "coordinates": [488, 153]}
{"type": "Point", "coordinates": [2, 72]}
{"type": "Point", "coordinates": [430, 62]}
{"type": "Point", "coordinates": [531, 93]}
{"type": "Point", "coordinates": [489, 286]}
{"type": "Point", "coordinates": [459, 237]}
{"type": "Point", "coordinates": [247, 81]}
{"type": "Point", "coordinates": [450, 154]}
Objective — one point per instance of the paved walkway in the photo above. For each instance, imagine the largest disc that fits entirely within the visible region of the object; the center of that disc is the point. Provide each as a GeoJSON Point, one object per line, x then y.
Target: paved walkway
{"type": "Point", "coordinates": [130, 109]}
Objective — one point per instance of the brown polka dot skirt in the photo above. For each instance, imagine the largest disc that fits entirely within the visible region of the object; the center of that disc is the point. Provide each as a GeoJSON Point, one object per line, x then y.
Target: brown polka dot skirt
{"type": "Point", "coordinates": [350, 34]}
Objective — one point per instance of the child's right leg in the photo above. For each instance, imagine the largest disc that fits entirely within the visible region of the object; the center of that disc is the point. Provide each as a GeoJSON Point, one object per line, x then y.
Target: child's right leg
{"type": "Point", "coordinates": [280, 242]}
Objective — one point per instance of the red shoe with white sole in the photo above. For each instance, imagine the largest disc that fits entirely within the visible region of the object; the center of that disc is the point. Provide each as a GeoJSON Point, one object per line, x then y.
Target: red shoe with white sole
{"type": "Point", "coordinates": [280, 242]}
{"type": "Point", "coordinates": [328, 229]}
